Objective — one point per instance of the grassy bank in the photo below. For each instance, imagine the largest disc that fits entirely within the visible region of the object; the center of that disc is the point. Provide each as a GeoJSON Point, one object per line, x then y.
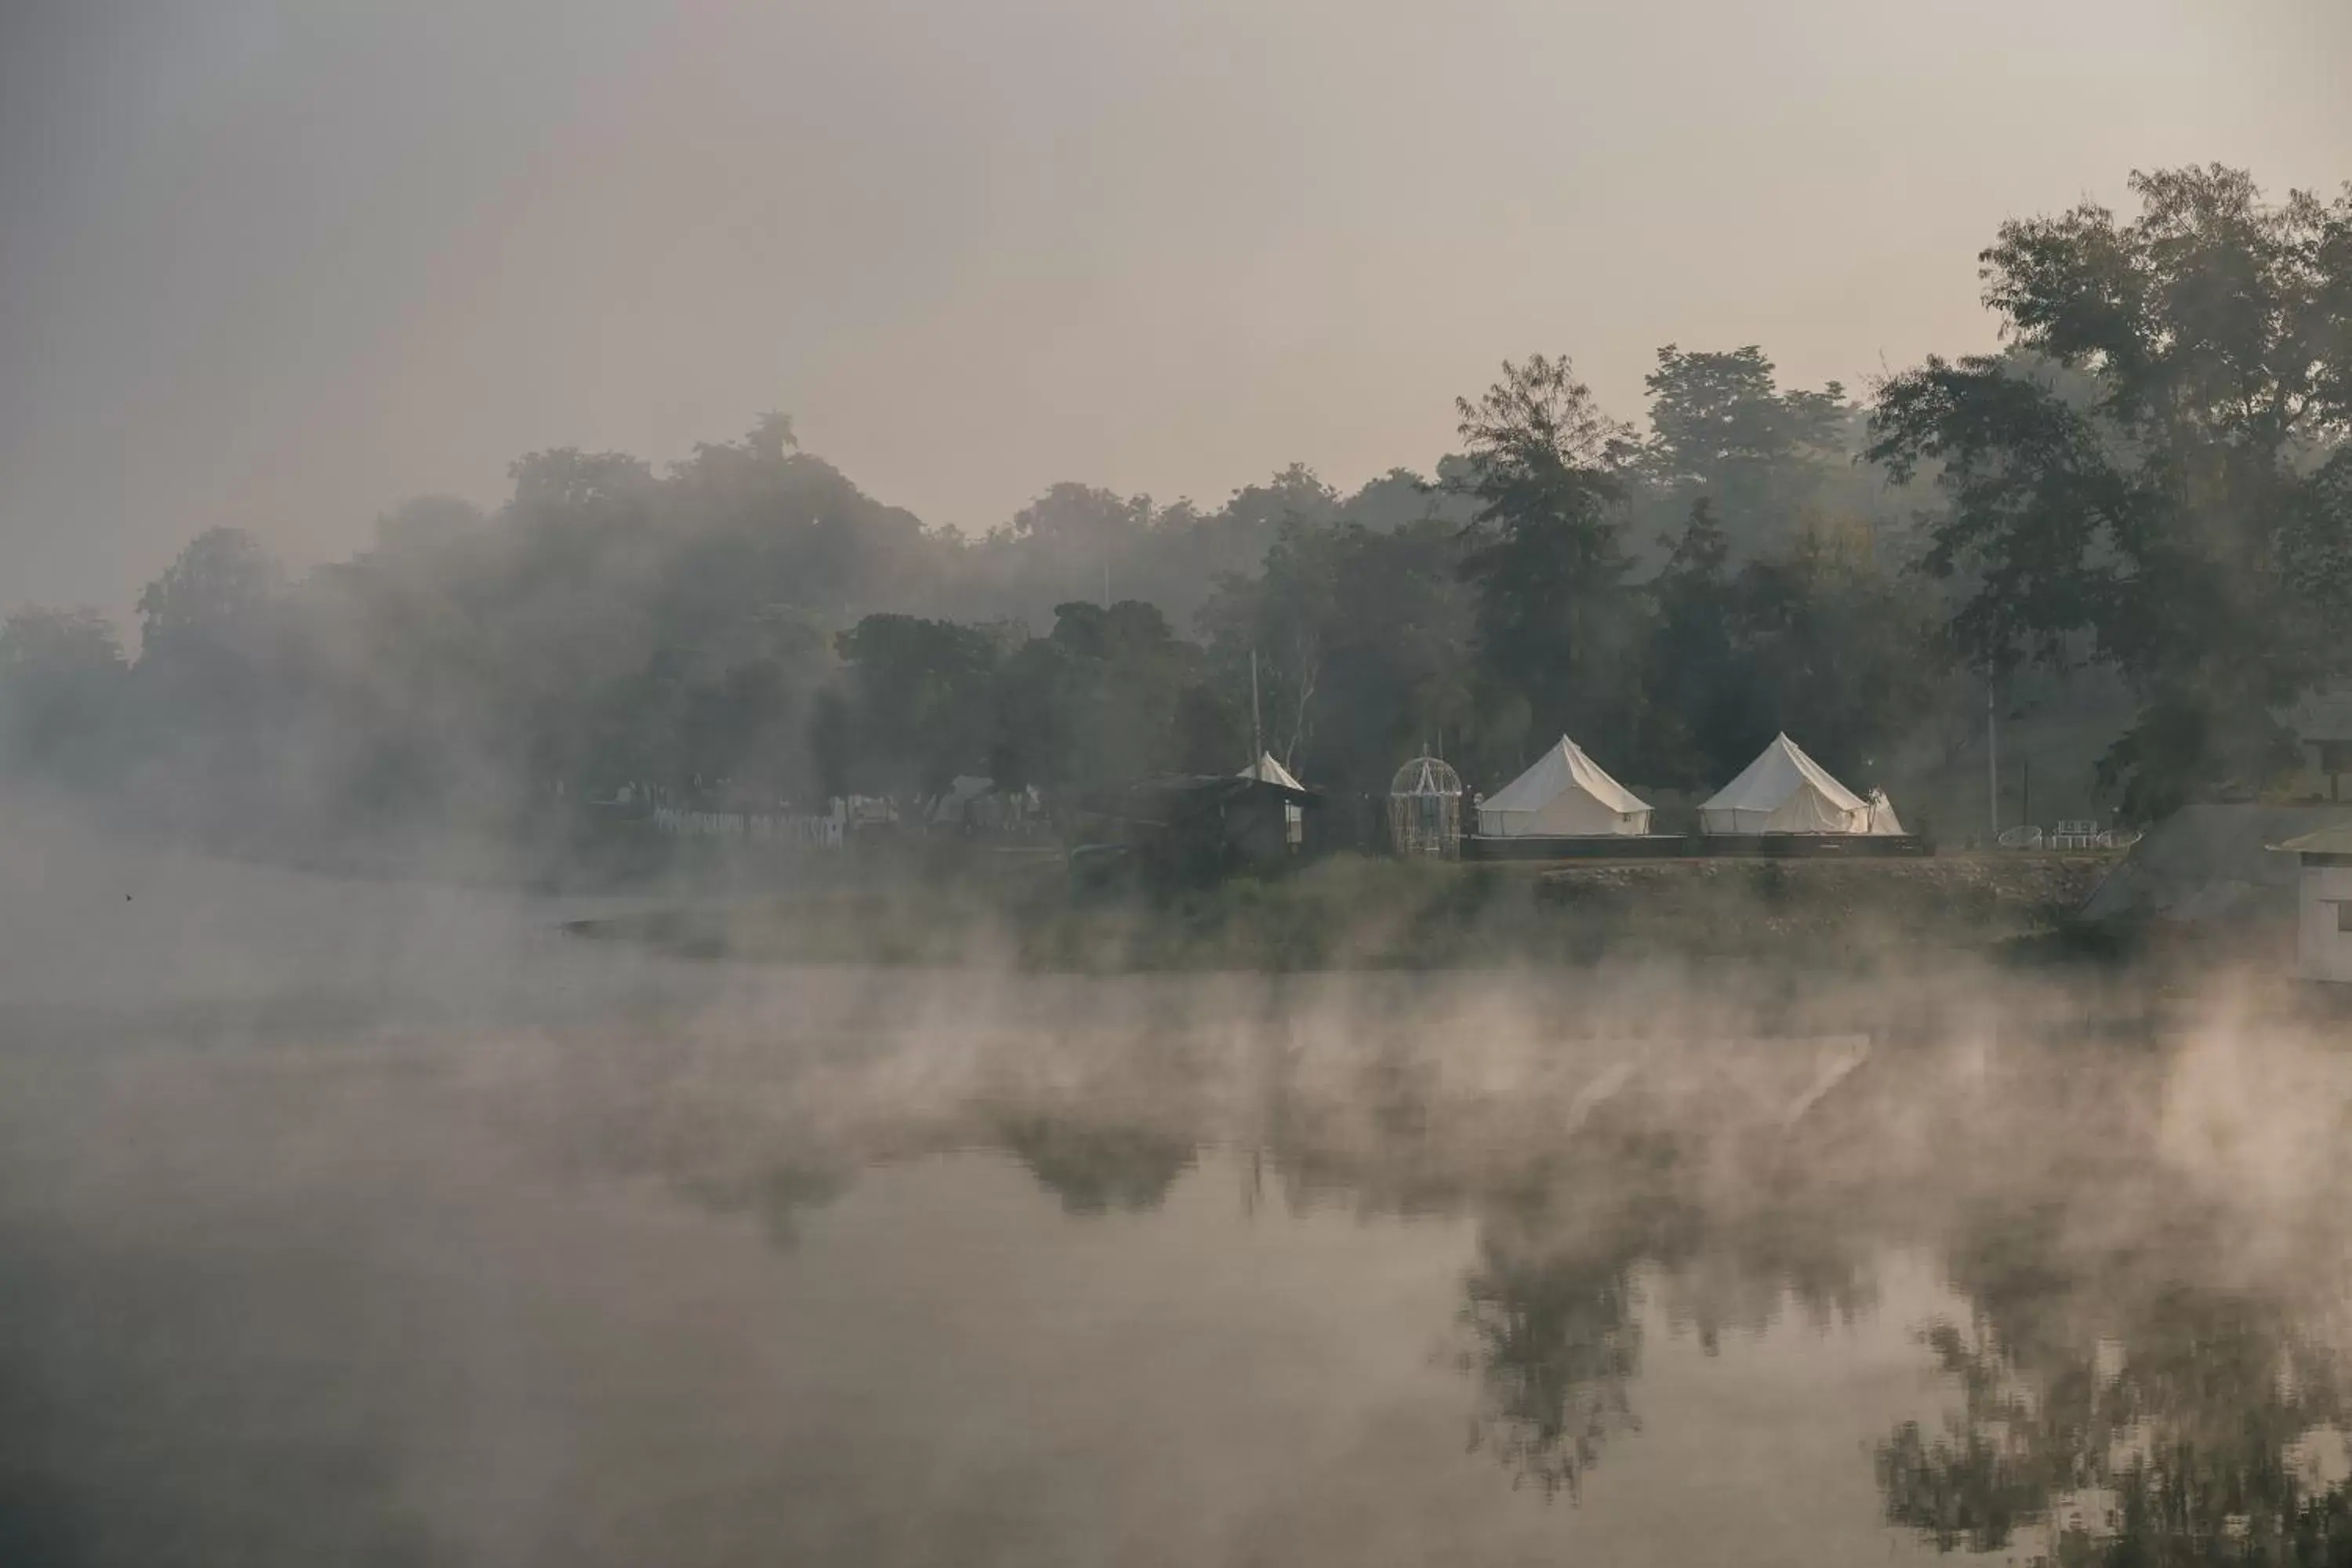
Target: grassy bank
{"type": "Point", "coordinates": [1357, 912]}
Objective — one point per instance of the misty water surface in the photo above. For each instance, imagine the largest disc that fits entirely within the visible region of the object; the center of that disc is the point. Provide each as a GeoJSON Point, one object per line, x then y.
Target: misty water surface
{"type": "Point", "coordinates": [386, 1225]}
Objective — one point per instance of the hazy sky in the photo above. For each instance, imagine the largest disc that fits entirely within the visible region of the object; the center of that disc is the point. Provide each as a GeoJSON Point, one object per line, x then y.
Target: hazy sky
{"type": "Point", "coordinates": [281, 263]}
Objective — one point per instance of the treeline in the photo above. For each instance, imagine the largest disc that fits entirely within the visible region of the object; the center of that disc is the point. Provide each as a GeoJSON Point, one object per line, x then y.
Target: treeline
{"type": "Point", "coordinates": [2150, 480]}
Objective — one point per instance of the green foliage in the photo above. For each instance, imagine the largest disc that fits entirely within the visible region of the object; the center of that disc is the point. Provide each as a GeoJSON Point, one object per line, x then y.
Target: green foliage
{"type": "Point", "coordinates": [1832, 649]}
{"type": "Point", "coordinates": [2186, 515]}
{"type": "Point", "coordinates": [61, 673]}
{"type": "Point", "coordinates": [1361, 639]}
{"type": "Point", "coordinates": [1700, 713]}
{"type": "Point", "coordinates": [2156, 476]}
{"type": "Point", "coordinates": [705, 636]}
{"type": "Point", "coordinates": [1721, 420]}
{"type": "Point", "coordinates": [1554, 622]}
{"type": "Point", "coordinates": [1772, 464]}
{"type": "Point", "coordinates": [1111, 694]}
{"type": "Point", "coordinates": [218, 669]}
{"type": "Point", "coordinates": [1775, 464]}
{"type": "Point", "coordinates": [916, 711]}
{"type": "Point", "coordinates": [210, 596]}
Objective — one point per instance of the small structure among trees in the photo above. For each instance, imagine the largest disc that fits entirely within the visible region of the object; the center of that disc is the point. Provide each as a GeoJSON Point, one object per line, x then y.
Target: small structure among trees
{"type": "Point", "coordinates": [1185, 830]}
{"type": "Point", "coordinates": [1425, 809]}
{"type": "Point", "coordinates": [2324, 904]}
{"type": "Point", "coordinates": [1268, 769]}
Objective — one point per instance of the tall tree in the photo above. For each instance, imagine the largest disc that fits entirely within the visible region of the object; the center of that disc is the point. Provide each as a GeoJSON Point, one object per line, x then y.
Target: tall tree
{"type": "Point", "coordinates": [1554, 622]}
{"type": "Point", "coordinates": [1362, 637]}
{"type": "Point", "coordinates": [211, 645]}
{"type": "Point", "coordinates": [1268, 634]}
{"type": "Point", "coordinates": [1815, 639]}
{"type": "Point", "coordinates": [61, 674]}
{"type": "Point", "coordinates": [212, 593]}
{"type": "Point", "coordinates": [2189, 515]}
{"type": "Point", "coordinates": [1832, 647]}
{"type": "Point", "coordinates": [1112, 694]}
{"type": "Point", "coordinates": [1699, 715]}
{"type": "Point", "coordinates": [1772, 463]}
{"type": "Point", "coordinates": [1720, 418]}
{"type": "Point", "coordinates": [916, 711]}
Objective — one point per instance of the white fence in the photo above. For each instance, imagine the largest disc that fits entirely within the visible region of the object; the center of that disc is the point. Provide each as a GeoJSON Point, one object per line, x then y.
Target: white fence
{"type": "Point", "coordinates": [753, 826]}
{"type": "Point", "coordinates": [2067, 835]}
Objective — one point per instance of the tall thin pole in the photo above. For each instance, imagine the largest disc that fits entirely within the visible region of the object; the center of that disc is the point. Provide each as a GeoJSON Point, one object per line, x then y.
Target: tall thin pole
{"type": "Point", "coordinates": [1992, 769]}
{"type": "Point", "coordinates": [1257, 727]}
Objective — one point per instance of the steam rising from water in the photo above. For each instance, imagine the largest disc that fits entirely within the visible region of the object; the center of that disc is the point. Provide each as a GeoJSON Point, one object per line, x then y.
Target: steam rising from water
{"type": "Point", "coordinates": [383, 1224]}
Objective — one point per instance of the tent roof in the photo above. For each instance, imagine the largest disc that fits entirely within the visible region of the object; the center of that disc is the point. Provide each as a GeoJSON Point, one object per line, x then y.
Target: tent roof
{"type": "Point", "coordinates": [1561, 768]}
{"type": "Point", "coordinates": [1774, 776]}
{"type": "Point", "coordinates": [1266, 770]}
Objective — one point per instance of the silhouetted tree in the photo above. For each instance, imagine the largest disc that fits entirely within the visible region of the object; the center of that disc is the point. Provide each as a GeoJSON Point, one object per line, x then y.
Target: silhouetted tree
{"type": "Point", "coordinates": [2187, 516]}
{"type": "Point", "coordinates": [917, 705]}
{"type": "Point", "coordinates": [61, 676]}
{"type": "Point", "coordinates": [1554, 621]}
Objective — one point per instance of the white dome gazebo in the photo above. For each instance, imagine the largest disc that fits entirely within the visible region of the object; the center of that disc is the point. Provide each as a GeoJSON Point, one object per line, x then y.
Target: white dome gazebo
{"type": "Point", "coordinates": [1425, 808]}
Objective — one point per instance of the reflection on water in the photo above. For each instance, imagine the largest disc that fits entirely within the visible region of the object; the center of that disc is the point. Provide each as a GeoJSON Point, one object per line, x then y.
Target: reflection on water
{"type": "Point", "coordinates": [1557, 1345]}
{"type": "Point", "coordinates": [2117, 1412]}
{"type": "Point", "coordinates": [1094, 1170]}
{"type": "Point", "coordinates": [1356, 1271]}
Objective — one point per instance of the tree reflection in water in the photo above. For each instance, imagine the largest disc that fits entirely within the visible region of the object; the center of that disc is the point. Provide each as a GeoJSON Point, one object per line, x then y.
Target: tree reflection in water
{"type": "Point", "coordinates": [2120, 1416]}
{"type": "Point", "coordinates": [1558, 1344]}
{"type": "Point", "coordinates": [1095, 1169]}
{"type": "Point", "coordinates": [2144, 1239]}
{"type": "Point", "coordinates": [1663, 1209]}
{"type": "Point", "coordinates": [2150, 1371]}
{"type": "Point", "coordinates": [2146, 1355]}
{"type": "Point", "coordinates": [1555, 1309]}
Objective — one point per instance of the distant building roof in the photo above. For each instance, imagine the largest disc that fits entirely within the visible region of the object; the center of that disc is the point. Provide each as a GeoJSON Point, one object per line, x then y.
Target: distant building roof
{"type": "Point", "coordinates": [2335, 840]}
{"type": "Point", "coordinates": [2211, 862]}
{"type": "Point", "coordinates": [1154, 799]}
{"type": "Point", "coordinates": [1266, 770]}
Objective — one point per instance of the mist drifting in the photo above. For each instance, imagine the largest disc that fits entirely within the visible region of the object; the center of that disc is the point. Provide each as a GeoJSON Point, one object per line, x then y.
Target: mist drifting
{"type": "Point", "coordinates": [601, 611]}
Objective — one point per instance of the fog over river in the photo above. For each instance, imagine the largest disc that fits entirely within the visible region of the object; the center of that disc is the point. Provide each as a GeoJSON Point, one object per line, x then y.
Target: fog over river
{"type": "Point", "coordinates": [378, 1224]}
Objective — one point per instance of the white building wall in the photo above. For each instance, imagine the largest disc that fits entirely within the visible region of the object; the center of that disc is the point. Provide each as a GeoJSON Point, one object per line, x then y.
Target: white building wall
{"type": "Point", "coordinates": [2324, 951]}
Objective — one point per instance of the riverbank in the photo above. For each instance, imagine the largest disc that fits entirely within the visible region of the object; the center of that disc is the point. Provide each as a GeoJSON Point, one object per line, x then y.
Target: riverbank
{"type": "Point", "coordinates": [1358, 912]}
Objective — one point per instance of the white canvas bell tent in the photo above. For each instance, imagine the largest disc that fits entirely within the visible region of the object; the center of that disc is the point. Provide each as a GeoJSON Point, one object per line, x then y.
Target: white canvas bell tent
{"type": "Point", "coordinates": [1785, 791]}
{"type": "Point", "coordinates": [1566, 795]}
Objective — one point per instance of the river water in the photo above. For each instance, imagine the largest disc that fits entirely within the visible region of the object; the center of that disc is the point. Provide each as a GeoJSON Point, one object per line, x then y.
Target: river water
{"type": "Point", "coordinates": [394, 1227]}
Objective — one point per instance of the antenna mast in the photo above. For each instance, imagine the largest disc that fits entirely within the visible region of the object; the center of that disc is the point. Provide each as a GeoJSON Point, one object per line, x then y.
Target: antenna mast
{"type": "Point", "coordinates": [1257, 727]}
{"type": "Point", "coordinates": [1992, 769]}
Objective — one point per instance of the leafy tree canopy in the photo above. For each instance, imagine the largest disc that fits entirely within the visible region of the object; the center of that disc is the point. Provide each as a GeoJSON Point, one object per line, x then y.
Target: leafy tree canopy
{"type": "Point", "coordinates": [2185, 518]}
